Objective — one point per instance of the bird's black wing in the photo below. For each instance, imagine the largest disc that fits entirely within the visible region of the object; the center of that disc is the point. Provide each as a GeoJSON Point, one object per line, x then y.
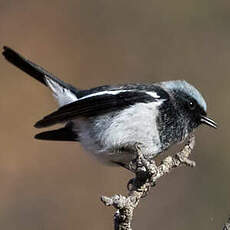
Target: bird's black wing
{"type": "Point", "coordinates": [97, 104]}
{"type": "Point", "coordinates": [63, 134]}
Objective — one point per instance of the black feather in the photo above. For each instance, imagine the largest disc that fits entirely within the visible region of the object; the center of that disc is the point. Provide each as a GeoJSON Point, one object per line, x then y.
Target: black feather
{"type": "Point", "coordinates": [62, 134]}
{"type": "Point", "coordinates": [32, 69]}
{"type": "Point", "coordinates": [95, 105]}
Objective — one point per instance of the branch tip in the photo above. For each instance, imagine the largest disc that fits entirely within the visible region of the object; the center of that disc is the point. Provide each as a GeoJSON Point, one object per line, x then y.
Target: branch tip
{"type": "Point", "coordinates": [146, 175]}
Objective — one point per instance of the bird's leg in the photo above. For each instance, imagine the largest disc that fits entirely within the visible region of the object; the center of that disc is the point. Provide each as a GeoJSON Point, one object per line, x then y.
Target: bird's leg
{"type": "Point", "coordinates": [143, 169]}
{"type": "Point", "coordinates": [147, 172]}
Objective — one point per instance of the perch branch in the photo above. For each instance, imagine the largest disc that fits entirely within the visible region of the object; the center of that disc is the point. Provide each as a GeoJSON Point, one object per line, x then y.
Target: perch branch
{"type": "Point", "coordinates": [146, 175]}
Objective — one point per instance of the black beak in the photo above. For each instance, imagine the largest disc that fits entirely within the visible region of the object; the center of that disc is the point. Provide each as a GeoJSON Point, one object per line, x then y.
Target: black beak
{"type": "Point", "coordinates": [208, 121]}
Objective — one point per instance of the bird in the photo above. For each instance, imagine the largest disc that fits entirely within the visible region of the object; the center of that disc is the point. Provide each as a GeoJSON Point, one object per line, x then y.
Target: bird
{"type": "Point", "coordinates": [110, 121]}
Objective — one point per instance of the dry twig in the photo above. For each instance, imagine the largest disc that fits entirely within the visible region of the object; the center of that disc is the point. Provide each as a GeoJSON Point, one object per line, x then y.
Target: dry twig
{"type": "Point", "coordinates": [147, 173]}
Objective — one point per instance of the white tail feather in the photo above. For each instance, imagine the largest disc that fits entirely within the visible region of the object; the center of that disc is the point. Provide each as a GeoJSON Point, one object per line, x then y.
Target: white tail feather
{"type": "Point", "coordinates": [61, 94]}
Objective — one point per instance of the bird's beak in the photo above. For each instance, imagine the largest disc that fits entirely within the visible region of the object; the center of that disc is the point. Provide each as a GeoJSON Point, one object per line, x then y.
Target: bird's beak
{"type": "Point", "coordinates": [208, 121]}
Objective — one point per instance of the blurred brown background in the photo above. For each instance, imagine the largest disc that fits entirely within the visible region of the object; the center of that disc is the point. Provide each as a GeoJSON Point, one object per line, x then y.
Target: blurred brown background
{"type": "Point", "coordinates": [56, 186]}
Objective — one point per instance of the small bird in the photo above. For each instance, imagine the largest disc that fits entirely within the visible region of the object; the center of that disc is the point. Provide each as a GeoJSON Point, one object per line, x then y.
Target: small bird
{"type": "Point", "coordinates": [110, 121]}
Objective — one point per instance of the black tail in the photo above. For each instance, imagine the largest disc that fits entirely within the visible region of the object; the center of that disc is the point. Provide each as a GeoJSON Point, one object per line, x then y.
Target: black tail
{"type": "Point", "coordinates": [62, 134]}
{"type": "Point", "coordinates": [32, 69]}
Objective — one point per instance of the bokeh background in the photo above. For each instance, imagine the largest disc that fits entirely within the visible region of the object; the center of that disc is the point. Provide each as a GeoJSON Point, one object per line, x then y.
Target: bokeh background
{"type": "Point", "coordinates": [56, 186]}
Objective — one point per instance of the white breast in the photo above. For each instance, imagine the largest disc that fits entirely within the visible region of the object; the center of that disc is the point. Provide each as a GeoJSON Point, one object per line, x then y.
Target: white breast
{"type": "Point", "coordinates": [136, 124]}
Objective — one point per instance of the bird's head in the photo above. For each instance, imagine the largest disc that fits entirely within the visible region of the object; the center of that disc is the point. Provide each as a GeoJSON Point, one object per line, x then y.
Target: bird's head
{"type": "Point", "coordinates": [189, 103]}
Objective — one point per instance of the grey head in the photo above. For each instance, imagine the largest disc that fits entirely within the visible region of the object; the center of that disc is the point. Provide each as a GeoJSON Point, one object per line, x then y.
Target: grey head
{"type": "Point", "coordinates": [186, 110]}
{"type": "Point", "coordinates": [190, 102]}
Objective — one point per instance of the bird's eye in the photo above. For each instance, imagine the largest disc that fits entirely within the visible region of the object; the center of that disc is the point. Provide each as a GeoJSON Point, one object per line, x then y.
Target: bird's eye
{"type": "Point", "coordinates": [191, 105]}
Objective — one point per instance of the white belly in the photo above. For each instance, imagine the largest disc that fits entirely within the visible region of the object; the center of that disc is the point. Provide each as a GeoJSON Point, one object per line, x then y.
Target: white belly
{"type": "Point", "coordinates": [136, 124]}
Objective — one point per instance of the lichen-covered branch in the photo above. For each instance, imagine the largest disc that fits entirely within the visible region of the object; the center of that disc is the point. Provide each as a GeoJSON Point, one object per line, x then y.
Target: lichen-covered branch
{"type": "Point", "coordinates": [147, 173]}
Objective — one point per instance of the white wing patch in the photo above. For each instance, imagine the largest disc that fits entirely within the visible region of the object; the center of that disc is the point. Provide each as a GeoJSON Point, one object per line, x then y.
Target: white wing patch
{"type": "Point", "coordinates": [115, 92]}
{"type": "Point", "coordinates": [65, 96]}
{"type": "Point", "coordinates": [62, 95]}
{"type": "Point", "coordinates": [153, 94]}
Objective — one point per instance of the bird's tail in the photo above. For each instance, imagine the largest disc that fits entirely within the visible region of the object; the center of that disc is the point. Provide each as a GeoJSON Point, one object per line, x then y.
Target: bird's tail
{"type": "Point", "coordinates": [62, 134]}
{"type": "Point", "coordinates": [63, 92]}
